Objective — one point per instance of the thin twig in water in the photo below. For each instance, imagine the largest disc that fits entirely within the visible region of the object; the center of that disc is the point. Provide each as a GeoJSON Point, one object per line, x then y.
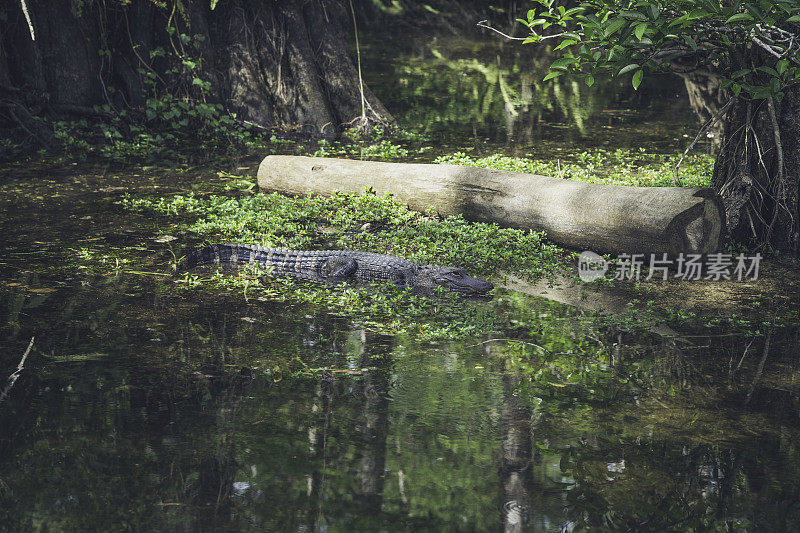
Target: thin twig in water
{"type": "Point", "coordinates": [254, 125]}
{"type": "Point", "coordinates": [13, 377]}
{"type": "Point", "coordinates": [143, 273]}
{"type": "Point", "coordinates": [708, 336]}
{"type": "Point", "coordinates": [713, 120]}
{"type": "Point", "coordinates": [760, 369]}
{"type": "Point", "coordinates": [527, 343]}
{"type": "Point", "coordinates": [744, 353]}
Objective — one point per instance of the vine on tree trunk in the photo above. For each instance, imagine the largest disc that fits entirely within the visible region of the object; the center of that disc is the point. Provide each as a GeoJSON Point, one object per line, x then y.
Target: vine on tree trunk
{"type": "Point", "coordinates": [757, 172]}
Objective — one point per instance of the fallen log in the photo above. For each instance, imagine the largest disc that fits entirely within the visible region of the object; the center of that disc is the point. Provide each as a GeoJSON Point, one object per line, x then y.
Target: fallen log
{"type": "Point", "coordinates": [584, 216]}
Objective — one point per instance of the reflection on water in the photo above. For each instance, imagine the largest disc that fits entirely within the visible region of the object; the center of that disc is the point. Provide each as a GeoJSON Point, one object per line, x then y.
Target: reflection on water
{"type": "Point", "coordinates": [146, 408]}
{"type": "Point", "coordinates": [488, 91]}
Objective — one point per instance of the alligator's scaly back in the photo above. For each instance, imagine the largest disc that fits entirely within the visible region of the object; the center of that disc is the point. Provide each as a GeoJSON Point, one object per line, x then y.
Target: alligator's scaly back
{"type": "Point", "coordinates": [338, 265]}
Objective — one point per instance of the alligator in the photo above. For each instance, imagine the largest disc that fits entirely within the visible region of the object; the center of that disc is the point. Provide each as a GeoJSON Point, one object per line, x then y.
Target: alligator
{"type": "Point", "coordinates": [339, 265]}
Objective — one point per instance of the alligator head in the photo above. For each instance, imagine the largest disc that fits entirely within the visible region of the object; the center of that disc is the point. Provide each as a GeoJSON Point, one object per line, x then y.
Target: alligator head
{"type": "Point", "coordinates": [451, 278]}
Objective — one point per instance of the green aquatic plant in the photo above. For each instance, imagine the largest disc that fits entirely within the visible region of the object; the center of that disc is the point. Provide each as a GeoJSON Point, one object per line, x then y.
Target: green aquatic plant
{"type": "Point", "coordinates": [618, 167]}
{"type": "Point", "coordinates": [381, 149]}
{"type": "Point", "coordinates": [363, 222]}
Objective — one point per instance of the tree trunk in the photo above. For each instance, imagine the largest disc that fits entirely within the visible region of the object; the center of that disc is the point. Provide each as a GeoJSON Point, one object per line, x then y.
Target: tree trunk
{"type": "Point", "coordinates": [707, 97]}
{"type": "Point", "coordinates": [516, 461]}
{"type": "Point", "coordinates": [278, 64]}
{"type": "Point", "coordinates": [757, 172]}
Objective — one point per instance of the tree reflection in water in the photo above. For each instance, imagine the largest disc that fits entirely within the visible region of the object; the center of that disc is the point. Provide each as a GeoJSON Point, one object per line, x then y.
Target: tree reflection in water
{"type": "Point", "coordinates": [139, 408]}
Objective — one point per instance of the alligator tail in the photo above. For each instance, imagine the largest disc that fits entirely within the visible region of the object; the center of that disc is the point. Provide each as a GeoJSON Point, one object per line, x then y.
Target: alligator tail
{"type": "Point", "coordinates": [290, 262]}
{"type": "Point", "coordinates": [221, 254]}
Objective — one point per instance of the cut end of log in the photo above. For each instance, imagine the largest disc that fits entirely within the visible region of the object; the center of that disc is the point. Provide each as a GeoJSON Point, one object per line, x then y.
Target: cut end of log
{"type": "Point", "coordinates": [699, 228]}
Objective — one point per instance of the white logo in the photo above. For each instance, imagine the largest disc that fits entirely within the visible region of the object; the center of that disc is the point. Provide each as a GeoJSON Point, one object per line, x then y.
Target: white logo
{"type": "Point", "coordinates": [591, 266]}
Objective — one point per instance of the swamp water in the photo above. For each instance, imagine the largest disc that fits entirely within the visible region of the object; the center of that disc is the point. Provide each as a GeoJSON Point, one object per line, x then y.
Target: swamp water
{"type": "Point", "coordinates": [148, 405]}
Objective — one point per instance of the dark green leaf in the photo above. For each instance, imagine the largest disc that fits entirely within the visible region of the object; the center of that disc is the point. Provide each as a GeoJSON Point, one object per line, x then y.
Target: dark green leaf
{"type": "Point", "coordinates": [637, 78]}
{"type": "Point", "coordinates": [697, 14]}
{"type": "Point", "coordinates": [563, 63]}
{"type": "Point", "coordinates": [753, 9]}
{"type": "Point", "coordinates": [633, 15]}
{"type": "Point", "coordinates": [565, 43]}
{"type": "Point", "coordinates": [640, 29]}
{"type": "Point", "coordinates": [768, 70]}
{"type": "Point", "coordinates": [739, 17]}
{"type": "Point", "coordinates": [679, 20]}
{"type": "Point", "coordinates": [574, 11]}
{"type": "Point", "coordinates": [627, 68]}
{"type": "Point", "coordinates": [711, 6]}
{"type": "Point", "coordinates": [614, 26]}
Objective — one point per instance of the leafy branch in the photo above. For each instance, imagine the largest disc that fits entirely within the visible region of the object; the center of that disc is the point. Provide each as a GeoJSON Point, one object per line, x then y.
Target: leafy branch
{"type": "Point", "coordinates": [631, 37]}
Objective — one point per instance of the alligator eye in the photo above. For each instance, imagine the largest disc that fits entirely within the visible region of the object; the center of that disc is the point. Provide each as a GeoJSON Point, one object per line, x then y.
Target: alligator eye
{"type": "Point", "coordinates": [458, 274]}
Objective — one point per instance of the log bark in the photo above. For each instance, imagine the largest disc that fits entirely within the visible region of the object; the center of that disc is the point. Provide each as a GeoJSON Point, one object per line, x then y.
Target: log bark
{"type": "Point", "coordinates": [586, 216]}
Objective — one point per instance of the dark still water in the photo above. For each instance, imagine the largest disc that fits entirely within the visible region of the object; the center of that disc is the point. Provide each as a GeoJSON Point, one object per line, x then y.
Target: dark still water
{"type": "Point", "coordinates": [474, 92]}
{"type": "Point", "coordinates": [141, 408]}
